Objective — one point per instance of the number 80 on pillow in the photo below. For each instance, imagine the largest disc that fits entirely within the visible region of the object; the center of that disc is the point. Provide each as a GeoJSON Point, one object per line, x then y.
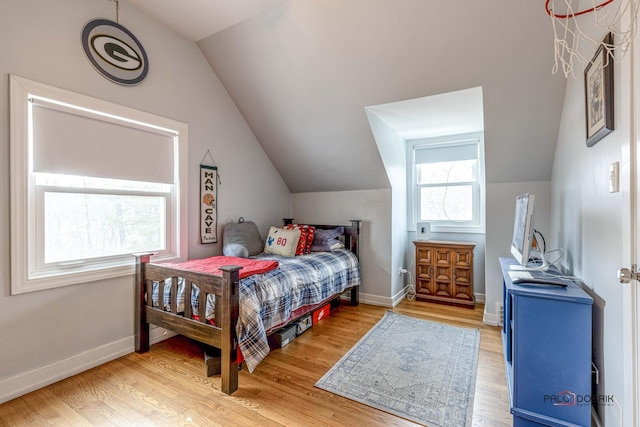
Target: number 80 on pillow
{"type": "Point", "coordinates": [282, 242]}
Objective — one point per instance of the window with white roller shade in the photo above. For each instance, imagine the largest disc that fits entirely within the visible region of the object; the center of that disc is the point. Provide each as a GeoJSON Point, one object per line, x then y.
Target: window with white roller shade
{"type": "Point", "coordinates": [92, 183]}
{"type": "Point", "coordinates": [446, 178]}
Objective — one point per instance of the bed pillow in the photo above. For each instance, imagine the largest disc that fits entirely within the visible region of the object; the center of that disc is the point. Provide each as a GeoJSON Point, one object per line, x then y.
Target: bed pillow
{"type": "Point", "coordinates": [310, 237]}
{"type": "Point", "coordinates": [282, 242]}
{"type": "Point", "coordinates": [327, 240]}
{"type": "Point", "coordinates": [307, 233]}
{"type": "Point", "coordinates": [241, 239]}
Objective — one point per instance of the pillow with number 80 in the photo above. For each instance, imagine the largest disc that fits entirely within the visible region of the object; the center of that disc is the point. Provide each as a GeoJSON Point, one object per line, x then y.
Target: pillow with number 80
{"type": "Point", "coordinates": [282, 242]}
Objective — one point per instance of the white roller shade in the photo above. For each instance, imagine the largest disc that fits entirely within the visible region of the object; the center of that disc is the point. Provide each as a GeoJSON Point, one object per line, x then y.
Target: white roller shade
{"type": "Point", "coordinates": [76, 142]}
{"type": "Point", "coordinates": [447, 153]}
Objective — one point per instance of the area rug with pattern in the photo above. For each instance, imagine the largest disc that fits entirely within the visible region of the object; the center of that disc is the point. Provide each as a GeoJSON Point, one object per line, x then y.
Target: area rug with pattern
{"type": "Point", "coordinates": [416, 369]}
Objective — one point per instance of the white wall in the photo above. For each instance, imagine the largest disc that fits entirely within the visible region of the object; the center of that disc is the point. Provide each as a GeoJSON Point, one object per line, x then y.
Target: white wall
{"type": "Point", "coordinates": [588, 222]}
{"type": "Point", "coordinates": [501, 203]}
{"type": "Point", "coordinates": [393, 152]}
{"type": "Point", "coordinates": [373, 207]}
{"type": "Point", "coordinates": [49, 334]}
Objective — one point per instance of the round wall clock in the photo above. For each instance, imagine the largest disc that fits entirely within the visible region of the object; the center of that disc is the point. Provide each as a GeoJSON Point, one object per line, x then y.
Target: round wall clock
{"type": "Point", "coordinates": [115, 52]}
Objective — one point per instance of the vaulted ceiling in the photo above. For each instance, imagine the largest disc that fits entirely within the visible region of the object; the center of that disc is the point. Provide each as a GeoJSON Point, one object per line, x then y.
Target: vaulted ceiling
{"type": "Point", "coordinates": [302, 72]}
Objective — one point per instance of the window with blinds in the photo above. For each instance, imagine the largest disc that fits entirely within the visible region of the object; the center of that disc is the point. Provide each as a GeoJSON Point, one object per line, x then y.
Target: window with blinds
{"type": "Point", "coordinates": [95, 183]}
{"type": "Point", "coordinates": [447, 183]}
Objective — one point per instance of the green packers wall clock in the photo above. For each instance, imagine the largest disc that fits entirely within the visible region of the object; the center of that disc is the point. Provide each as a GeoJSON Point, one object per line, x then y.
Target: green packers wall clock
{"type": "Point", "coordinates": [115, 52]}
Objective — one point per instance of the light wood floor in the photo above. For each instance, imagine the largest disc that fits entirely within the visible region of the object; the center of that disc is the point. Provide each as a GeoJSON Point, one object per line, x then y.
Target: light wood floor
{"type": "Point", "coordinates": [167, 386]}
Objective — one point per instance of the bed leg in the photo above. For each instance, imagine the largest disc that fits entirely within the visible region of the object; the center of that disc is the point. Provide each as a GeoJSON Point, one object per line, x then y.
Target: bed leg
{"type": "Point", "coordinates": [355, 296]}
{"type": "Point", "coordinates": [228, 374]}
{"type": "Point", "coordinates": [141, 325]}
{"type": "Point", "coordinates": [355, 248]}
{"type": "Point", "coordinates": [229, 308]}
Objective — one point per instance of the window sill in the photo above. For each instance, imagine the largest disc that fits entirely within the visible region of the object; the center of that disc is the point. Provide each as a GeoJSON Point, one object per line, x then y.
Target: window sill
{"type": "Point", "coordinates": [453, 229]}
{"type": "Point", "coordinates": [52, 281]}
{"type": "Point", "coordinates": [59, 278]}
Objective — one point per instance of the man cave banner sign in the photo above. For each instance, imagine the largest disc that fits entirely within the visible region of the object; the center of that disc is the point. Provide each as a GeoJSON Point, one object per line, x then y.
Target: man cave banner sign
{"type": "Point", "coordinates": [208, 202]}
{"type": "Point", "coordinates": [115, 52]}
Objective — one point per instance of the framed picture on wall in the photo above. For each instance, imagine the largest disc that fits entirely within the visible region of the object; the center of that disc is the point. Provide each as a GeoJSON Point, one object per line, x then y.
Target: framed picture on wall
{"type": "Point", "coordinates": [598, 90]}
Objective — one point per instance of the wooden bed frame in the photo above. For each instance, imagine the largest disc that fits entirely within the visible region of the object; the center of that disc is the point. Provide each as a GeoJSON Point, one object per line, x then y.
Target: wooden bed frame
{"type": "Point", "coordinates": [225, 288]}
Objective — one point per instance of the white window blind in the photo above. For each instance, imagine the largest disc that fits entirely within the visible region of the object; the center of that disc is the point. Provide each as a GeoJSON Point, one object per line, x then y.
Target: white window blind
{"type": "Point", "coordinates": [72, 141]}
{"type": "Point", "coordinates": [447, 153]}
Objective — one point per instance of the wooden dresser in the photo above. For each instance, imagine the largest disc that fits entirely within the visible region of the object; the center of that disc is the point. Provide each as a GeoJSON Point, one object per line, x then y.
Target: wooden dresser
{"type": "Point", "coordinates": [444, 271]}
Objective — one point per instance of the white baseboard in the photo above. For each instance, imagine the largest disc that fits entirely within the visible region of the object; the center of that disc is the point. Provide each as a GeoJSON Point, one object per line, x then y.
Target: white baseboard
{"type": "Point", "coordinates": [376, 300]}
{"type": "Point", "coordinates": [399, 296]}
{"type": "Point", "coordinates": [397, 299]}
{"type": "Point", "coordinates": [490, 319]}
{"type": "Point", "coordinates": [372, 300]}
{"type": "Point", "coordinates": [27, 382]}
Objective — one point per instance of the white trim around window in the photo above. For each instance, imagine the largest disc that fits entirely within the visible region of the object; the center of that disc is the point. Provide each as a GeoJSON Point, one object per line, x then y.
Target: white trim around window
{"type": "Point", "coordinates": [447, 148]}
{"type": "Point", "coordinates": [29, 270]}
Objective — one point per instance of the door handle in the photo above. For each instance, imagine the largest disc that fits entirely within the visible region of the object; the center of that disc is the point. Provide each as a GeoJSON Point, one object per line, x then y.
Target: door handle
{"type": "Point", "coordinates": [625, 275]}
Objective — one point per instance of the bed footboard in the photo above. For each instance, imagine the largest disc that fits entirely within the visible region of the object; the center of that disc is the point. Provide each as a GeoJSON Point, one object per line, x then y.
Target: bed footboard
{"type": "Point", "coordinates": [222, 335]}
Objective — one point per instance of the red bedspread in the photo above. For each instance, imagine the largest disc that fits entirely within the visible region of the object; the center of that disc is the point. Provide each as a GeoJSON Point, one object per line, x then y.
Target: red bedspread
{"type": "Point", "coordinates": [212, 265]}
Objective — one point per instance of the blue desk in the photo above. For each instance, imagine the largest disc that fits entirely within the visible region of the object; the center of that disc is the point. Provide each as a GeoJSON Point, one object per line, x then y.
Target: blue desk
{"type": "Point", "coordinates": [547, 350]}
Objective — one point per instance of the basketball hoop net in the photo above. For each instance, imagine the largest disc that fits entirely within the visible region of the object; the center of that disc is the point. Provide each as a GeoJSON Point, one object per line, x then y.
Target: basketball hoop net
{"type": "Point", "coordinates": [570, 21]}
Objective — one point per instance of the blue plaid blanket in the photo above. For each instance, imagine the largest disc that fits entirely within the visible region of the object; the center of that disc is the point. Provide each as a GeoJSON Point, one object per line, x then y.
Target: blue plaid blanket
{"type": "Point", "coordinates": [268, 299]}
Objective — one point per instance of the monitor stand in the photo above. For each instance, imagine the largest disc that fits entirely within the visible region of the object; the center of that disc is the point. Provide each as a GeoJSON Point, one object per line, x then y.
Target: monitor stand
{"type": "Point", "coordinates": [526, 275]}
{"type": "Point", "coordinates": [544, 266]}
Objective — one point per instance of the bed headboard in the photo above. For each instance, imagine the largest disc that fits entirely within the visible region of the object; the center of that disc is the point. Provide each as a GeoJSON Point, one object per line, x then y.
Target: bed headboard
{"type": "Point", "coordinates": [351, 234]}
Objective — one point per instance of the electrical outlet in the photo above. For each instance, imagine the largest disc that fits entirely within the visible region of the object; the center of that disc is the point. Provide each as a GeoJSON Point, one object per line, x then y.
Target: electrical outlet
{"type": "Point", "coordinates": [402, 271]}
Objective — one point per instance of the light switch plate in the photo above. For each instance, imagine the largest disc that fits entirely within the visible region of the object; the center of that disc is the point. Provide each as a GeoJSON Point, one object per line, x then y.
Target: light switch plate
{"type": "Point", "coordinates": [614, 177]}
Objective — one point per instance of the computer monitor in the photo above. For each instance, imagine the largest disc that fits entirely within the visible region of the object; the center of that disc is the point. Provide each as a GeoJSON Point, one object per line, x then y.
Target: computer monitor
{"type": "Point", "coordinates": [523, 228]}
{"type": "Point", "coordinates": [524, 241]}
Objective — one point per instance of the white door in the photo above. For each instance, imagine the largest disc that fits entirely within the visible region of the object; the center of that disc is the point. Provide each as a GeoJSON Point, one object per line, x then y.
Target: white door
{"type": "Point", "coordinates": [631, 293]}
{"type": "Point", "coordinates": [628, 274]}
{"type": "Point", "coordinates": [631, 193]}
